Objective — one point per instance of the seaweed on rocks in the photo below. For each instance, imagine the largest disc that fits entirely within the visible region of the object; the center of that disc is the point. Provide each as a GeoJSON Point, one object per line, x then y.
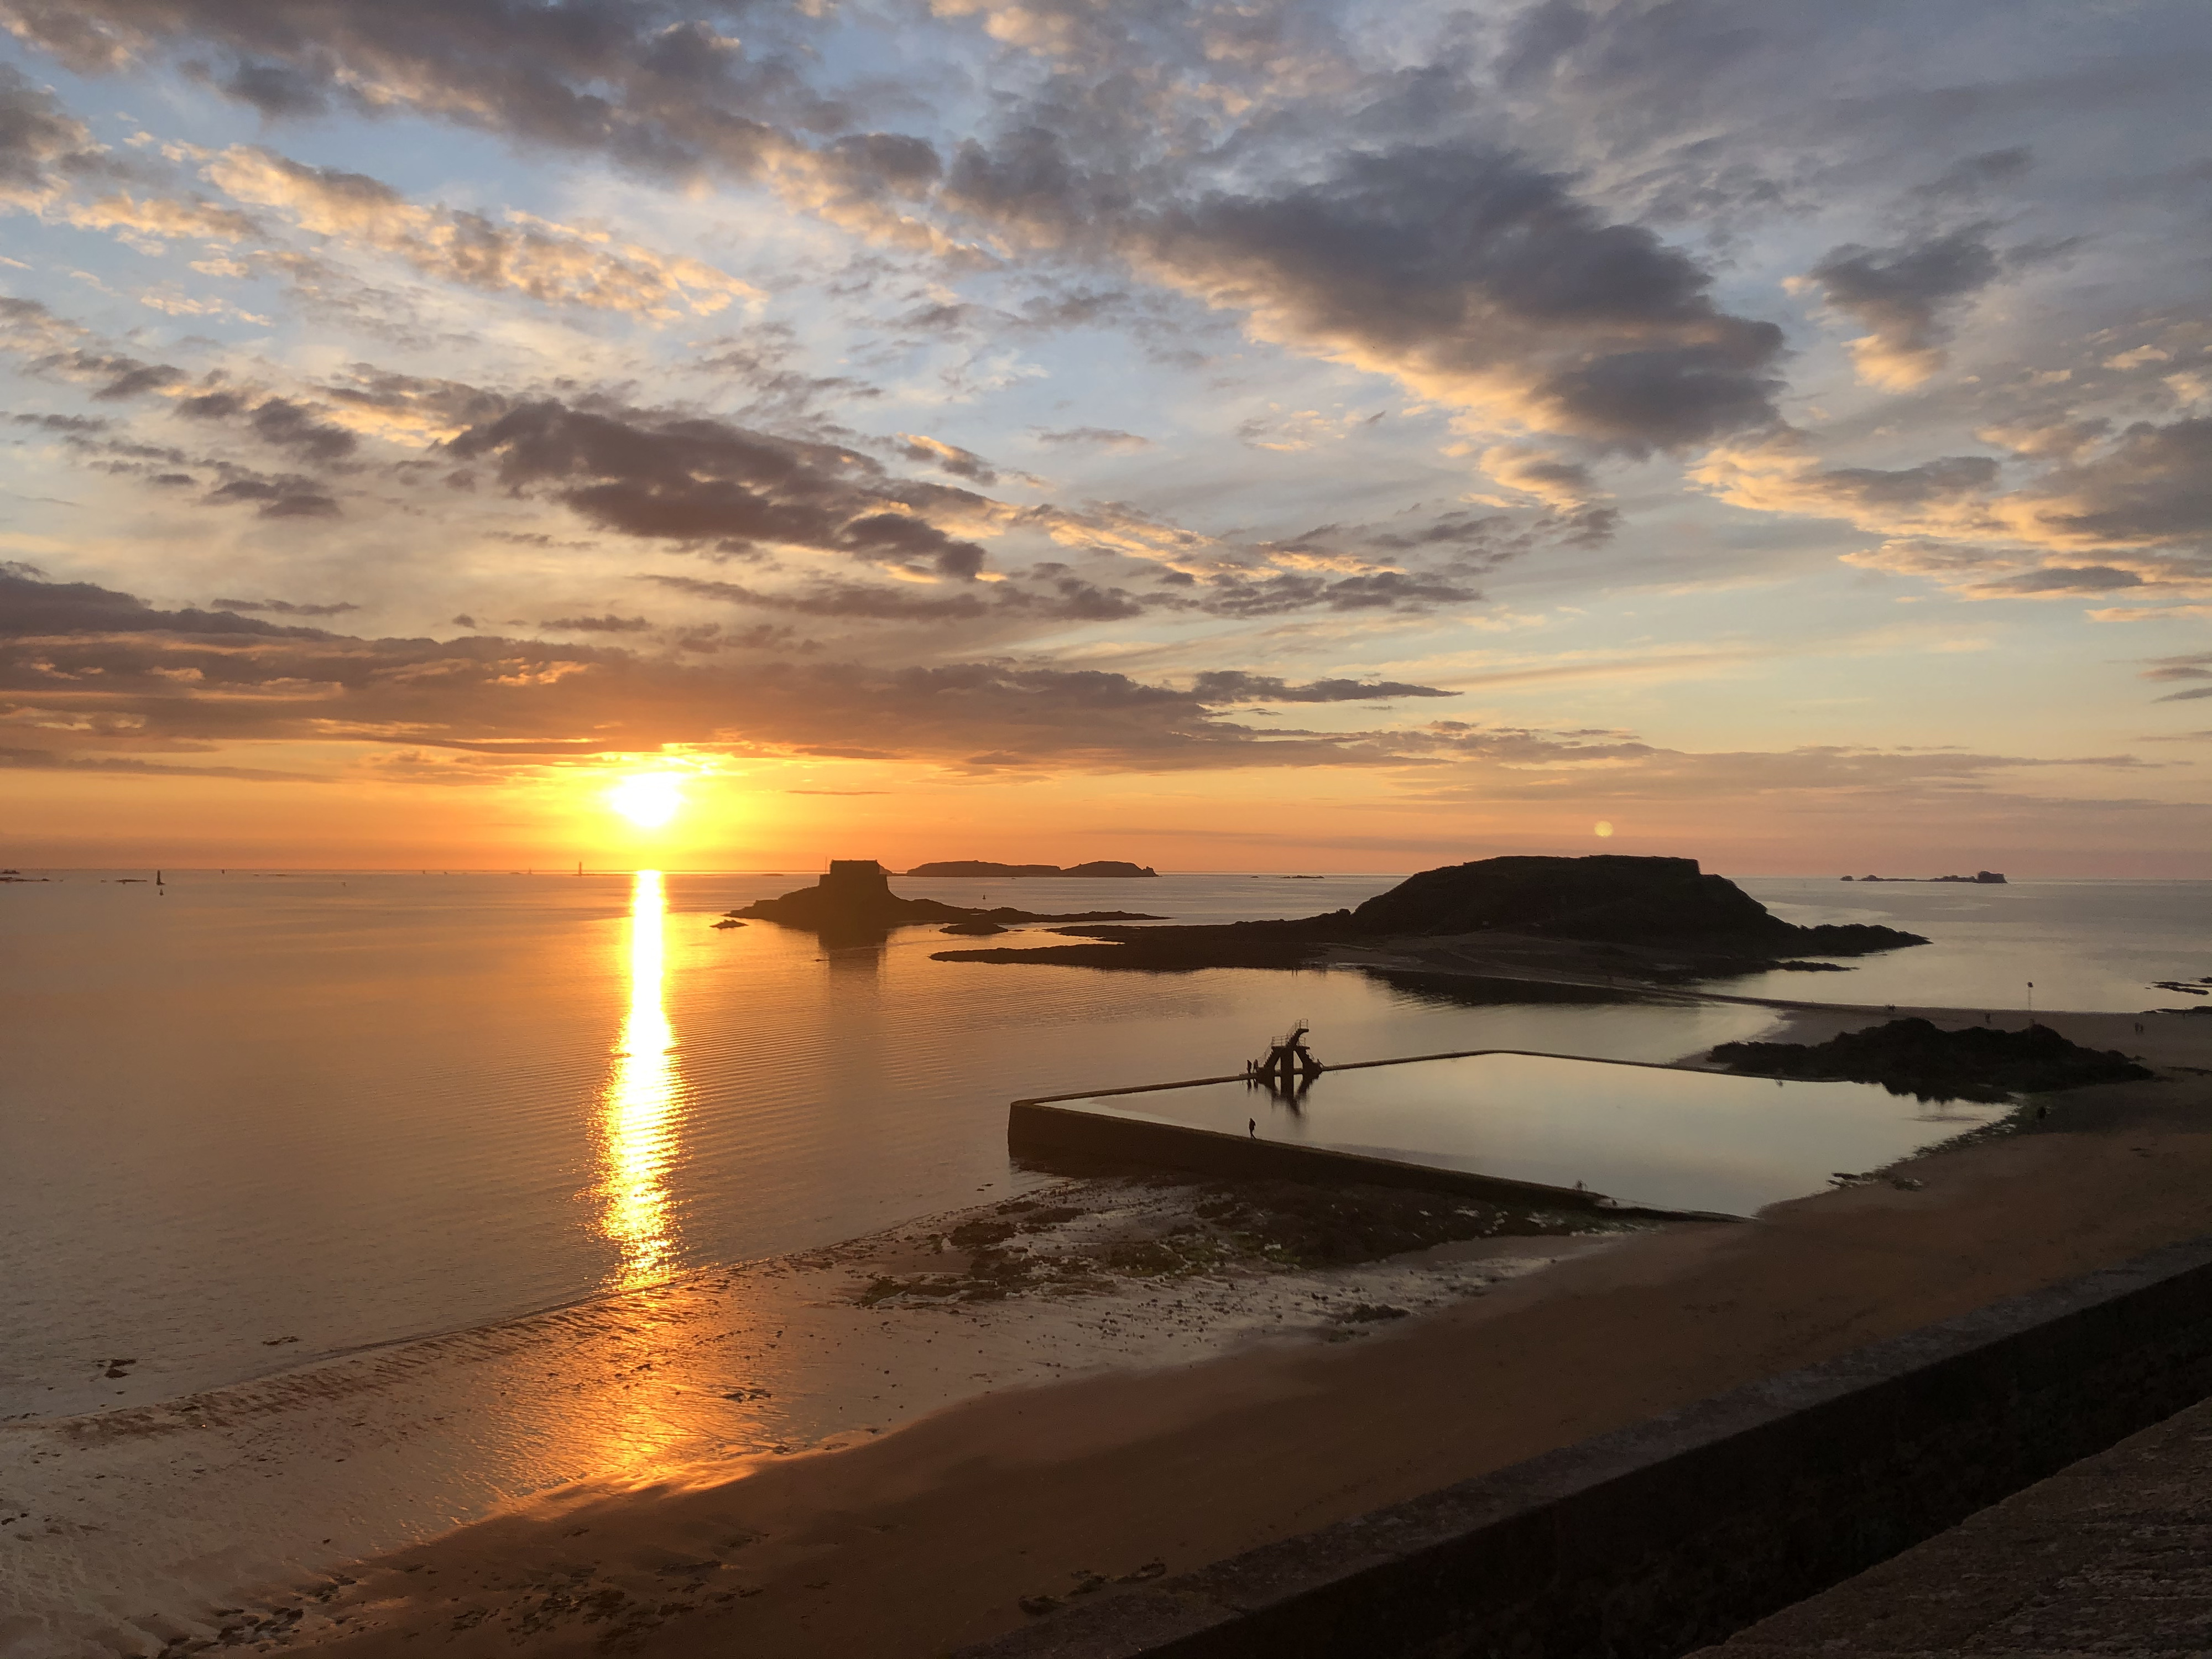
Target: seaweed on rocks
{"type": "Point", "coordinates": [1918, 1058]}
{"type": "Point", "coordinates": [1206, 1227]}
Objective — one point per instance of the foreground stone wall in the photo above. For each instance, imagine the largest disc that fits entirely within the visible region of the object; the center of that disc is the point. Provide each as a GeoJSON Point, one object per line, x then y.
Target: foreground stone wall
{"type": "Point", "coordinates": [1648, 1542]}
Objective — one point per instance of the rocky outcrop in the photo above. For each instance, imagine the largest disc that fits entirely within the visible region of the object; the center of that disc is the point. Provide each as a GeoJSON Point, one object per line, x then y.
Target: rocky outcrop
{"type": "Point", "coordinates": [1637, 904]}
{"type": "Point", "coordinates": [1607, 897]}
{"type": "Point", "coordinates": [1916, 1057]}
{"type": "Point", "coordinates": [854, 900]}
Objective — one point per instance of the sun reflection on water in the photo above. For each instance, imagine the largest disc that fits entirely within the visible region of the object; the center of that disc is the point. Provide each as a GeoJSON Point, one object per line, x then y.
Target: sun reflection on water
{"type": "Point", "coordinates": [639, 1111]}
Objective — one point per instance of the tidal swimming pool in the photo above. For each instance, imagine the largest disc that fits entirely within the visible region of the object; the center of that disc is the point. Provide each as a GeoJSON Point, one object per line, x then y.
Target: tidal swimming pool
{"type": "Point", "coordinates": [1649, 1135]}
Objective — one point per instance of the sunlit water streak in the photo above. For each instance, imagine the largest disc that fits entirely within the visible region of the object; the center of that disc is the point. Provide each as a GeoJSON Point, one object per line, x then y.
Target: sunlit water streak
{"type": "Point", "coordinates": [641, 1110]}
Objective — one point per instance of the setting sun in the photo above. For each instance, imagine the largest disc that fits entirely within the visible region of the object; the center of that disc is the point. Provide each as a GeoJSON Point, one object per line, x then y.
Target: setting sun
{"type": "Point", "coordinates": [648, 802]}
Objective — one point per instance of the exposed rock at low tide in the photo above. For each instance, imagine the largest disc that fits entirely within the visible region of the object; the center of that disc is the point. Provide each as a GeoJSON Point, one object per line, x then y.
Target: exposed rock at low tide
{"type": "Point", "coordinates": [1919, 1058]}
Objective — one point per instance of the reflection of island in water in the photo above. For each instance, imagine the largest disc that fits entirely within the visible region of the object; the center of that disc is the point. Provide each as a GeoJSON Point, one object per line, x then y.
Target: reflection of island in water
{"type": "Point", "coordinates": [853, 903]}
{"type": "Point", "coordinates": [638, 1117]}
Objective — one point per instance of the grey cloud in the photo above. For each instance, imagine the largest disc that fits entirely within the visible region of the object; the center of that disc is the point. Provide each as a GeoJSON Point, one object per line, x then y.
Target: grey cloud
{"type": "Point", "coordinates": [40, 141]}
{"type": "Point", "coordinates": [762, 636]}
{"type": "Point", "coordinates": [31, 607]}
{"type": "Point", "coordinates": [2196, 666]}
{"type": "Point", "coordinates": [287, 425]}
{"type": "Point", "coordinates": [1231, 685]}
{"type": "Point", "coordinates": [2153, 485]}
{"type": "Point", "coordinates": [2064, 578]}
{"type": "Point", "coordinates": [279, 91]}
{"type": "Point", "coordinates": [688, 479]}
{"type": "Point", "coordinates": [1065, 598]}
{"type": "Point", "coordinates": [162, 679]}
{"type": "Point", "coordinates": [284, 607]}
{"type": "Point", "coordinates": [46, 760]}
{"type": "Point", "coordinates": [1903, 295]}
{"type": "Point", "coordinates": [277, 498]}
{"type": "Point", "coordinates": [1233, 595]}
{"type": "Point", "coordinates": [643, 81]}
{"type": "Point", "coordinates": [131, 378]}
{"type": "Point", "coordinates": [1098, 437]}
{"type": "Point", "coordinates": [762, 359]}
{"type": "Point", "coordinates": [949, 457]}
{"type": "Point", "coordinates": [1972, 176]}
{"type": "Point", "coordinates": [1070, 598]}
{"type": "Point", "coordinates": [840, 599]}
{"type": "Point", "coordinates": [2197, 695]}
{"type": "Point", "coordinates": [1478, 278]}
{"type": "Point", "coordinates": [609, 624]}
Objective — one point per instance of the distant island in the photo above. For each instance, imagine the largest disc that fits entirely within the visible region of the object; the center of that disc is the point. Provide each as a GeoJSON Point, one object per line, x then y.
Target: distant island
{"type": "Point", "coordinates": [1114, 868]}
{"type": "Point", "coordinates": [1598, 918]}
{"type": "Point", "coordinates": [854, 901]}
{"type": "Point", "coordinates": [1979, 878]}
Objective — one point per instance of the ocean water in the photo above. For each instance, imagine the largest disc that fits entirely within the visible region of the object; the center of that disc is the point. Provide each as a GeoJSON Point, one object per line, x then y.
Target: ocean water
{"type": "Point", "coordinates": [253, 1119]}
{"type": "Point", "coordinates": [2087, 946]}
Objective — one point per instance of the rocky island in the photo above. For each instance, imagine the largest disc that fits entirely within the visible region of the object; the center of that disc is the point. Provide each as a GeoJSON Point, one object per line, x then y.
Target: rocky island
{"type": "Point", "coordinates": [855, 901]}
{"type": "Point", "coordinates": [1604, 917]}
{"type": "Point", "coordinates": [1103, 868]}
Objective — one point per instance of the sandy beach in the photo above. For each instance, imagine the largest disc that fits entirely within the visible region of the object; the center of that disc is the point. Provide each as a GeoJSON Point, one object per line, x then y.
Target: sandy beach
{"type": "Point", "coordinates": [1029, 1448]}
{"type": "Point", "coordinates": [130, 1529]}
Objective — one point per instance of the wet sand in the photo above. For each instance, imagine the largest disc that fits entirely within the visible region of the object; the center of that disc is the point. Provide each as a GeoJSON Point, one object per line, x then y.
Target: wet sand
{"type": "Point", "coordinates": [142, 1526]}
{"type": "Point", "coordinates": [1194, 1428]}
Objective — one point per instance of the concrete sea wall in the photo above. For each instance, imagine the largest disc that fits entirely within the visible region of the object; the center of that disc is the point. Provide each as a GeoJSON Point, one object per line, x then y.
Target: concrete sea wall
{"type": "Point", "coordinates": [1039, 1130]}
{"type": "Point", "coordinates": [1662, 1537]}
{"type": "Point", "coordinates": [1047, 1131]}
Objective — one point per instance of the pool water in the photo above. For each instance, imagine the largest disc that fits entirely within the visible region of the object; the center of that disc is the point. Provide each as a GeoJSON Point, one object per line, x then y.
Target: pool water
{"type": "Point", "coordinates": [1651, 1135]}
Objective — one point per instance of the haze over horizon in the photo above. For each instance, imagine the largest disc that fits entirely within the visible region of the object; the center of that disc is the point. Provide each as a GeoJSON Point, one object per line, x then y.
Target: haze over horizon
{"type": "Point", "coordinates": [1259, 435]}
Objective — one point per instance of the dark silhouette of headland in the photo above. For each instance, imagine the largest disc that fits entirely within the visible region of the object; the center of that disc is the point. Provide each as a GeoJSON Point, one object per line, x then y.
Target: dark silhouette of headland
{"type": "Point", "coordinates": [855, 902]}
{"type": "Point", "coordinates": [1592, 918]}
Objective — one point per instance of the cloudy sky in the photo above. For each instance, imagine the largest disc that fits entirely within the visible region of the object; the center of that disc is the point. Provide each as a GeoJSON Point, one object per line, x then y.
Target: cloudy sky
{"type": "Point", "coordinates": [1233, 434]}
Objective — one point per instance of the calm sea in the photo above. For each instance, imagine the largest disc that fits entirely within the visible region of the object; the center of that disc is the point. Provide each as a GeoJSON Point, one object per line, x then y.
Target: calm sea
{"type": "Point", "coordinates": [254, 1118]}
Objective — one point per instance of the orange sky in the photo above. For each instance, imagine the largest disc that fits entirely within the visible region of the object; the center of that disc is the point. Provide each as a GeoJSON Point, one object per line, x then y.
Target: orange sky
{"type": "Point", "coordinates": [1283, 820]}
